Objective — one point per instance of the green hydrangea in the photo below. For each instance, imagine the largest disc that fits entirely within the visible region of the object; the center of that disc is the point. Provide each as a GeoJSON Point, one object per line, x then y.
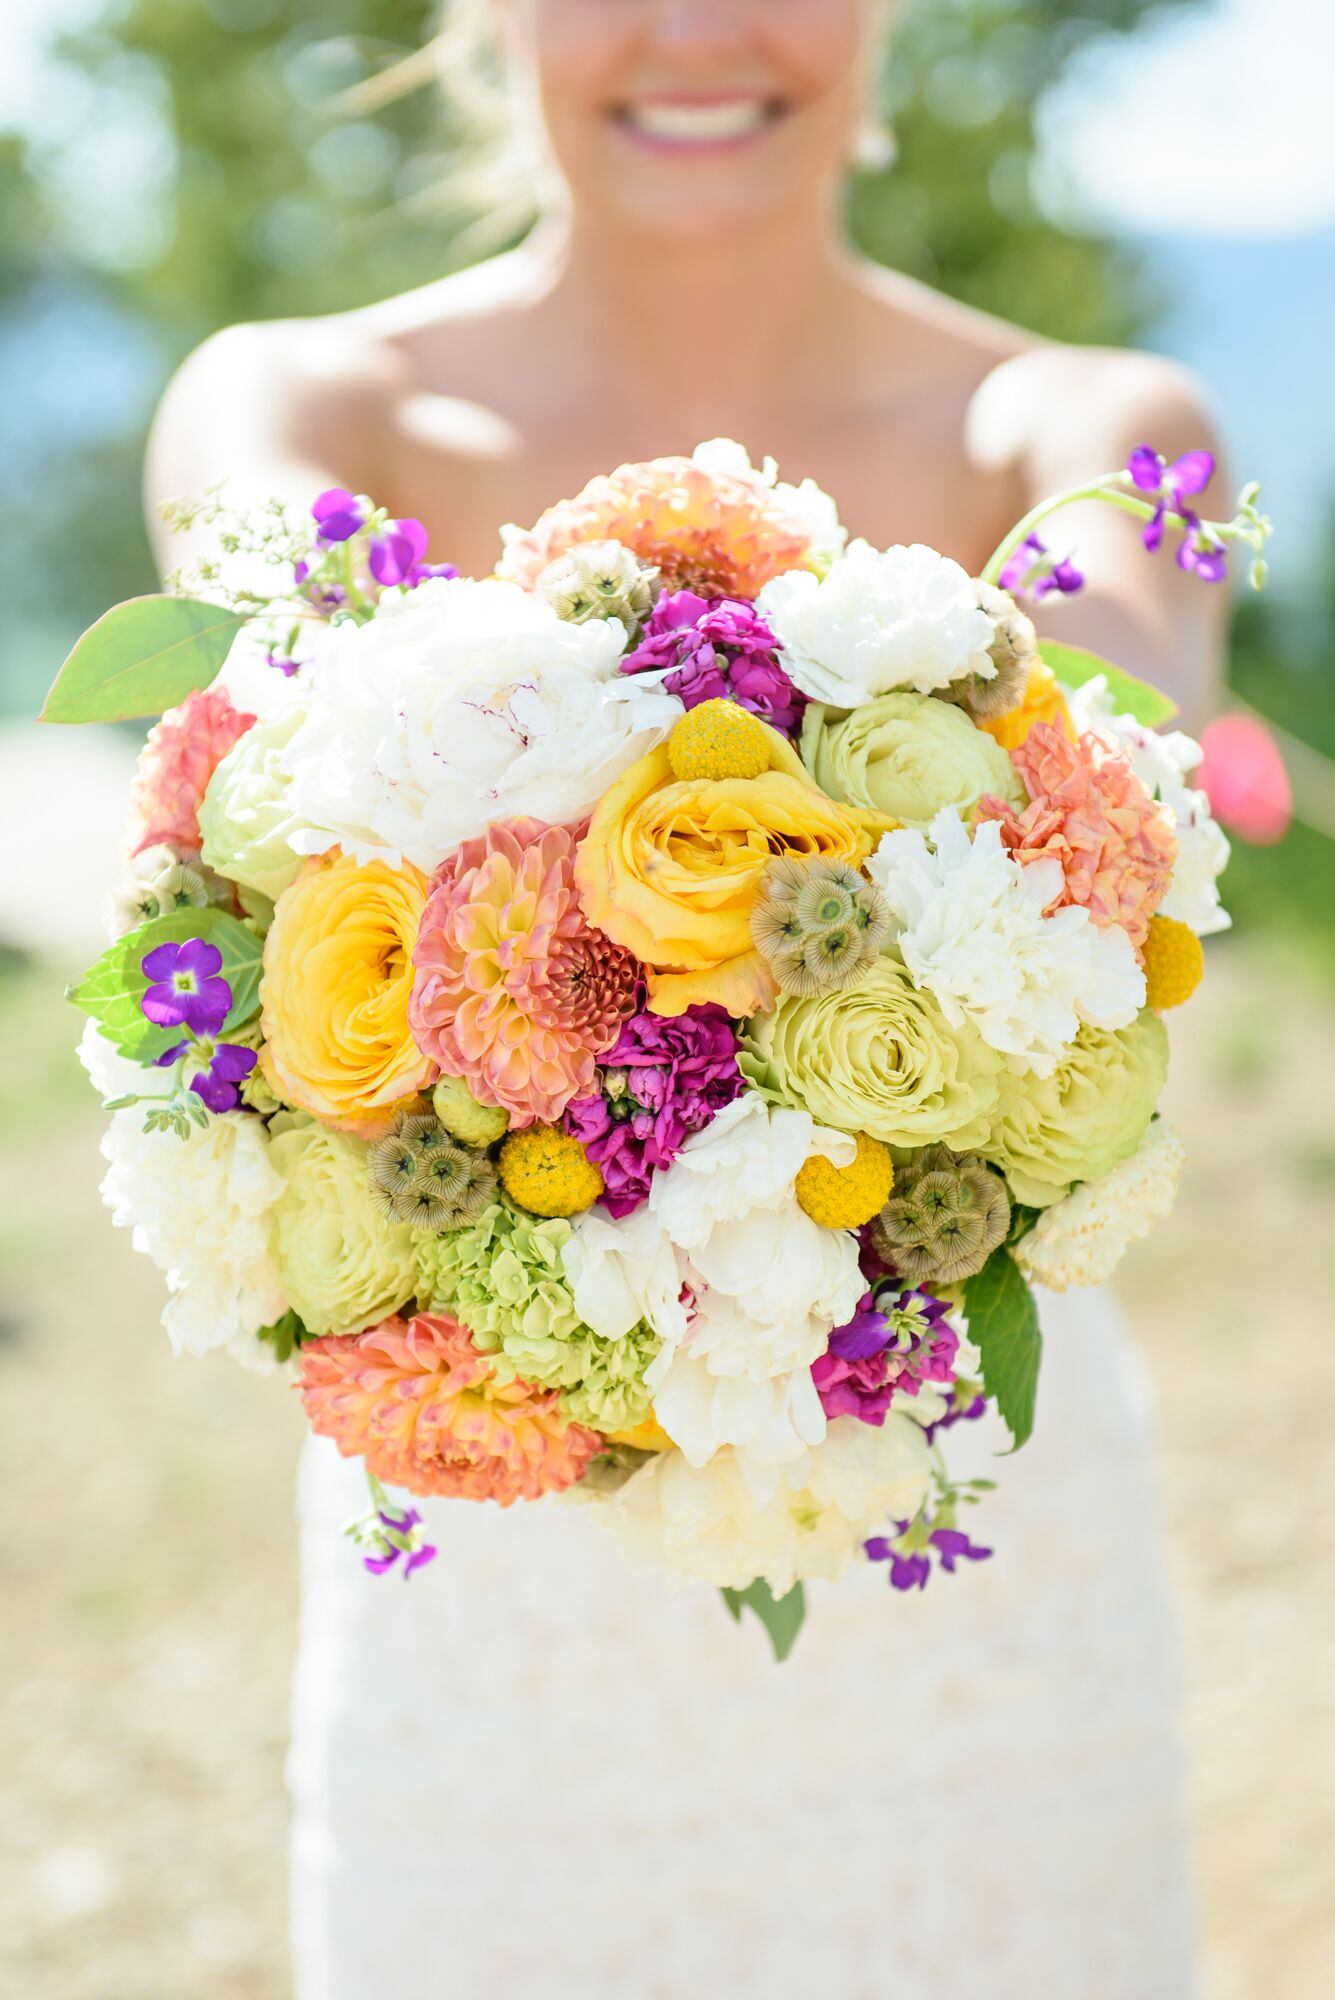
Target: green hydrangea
{"type": "Point", "coordinates": [502, 1277]}
{"type": "Point", "coordinates": [245, 820]}
{"type": "Point", "coordinates": [878, 1057]}
{"type": "Point", "coordinates": [906, 755]}
{"type": "Point", "coordinates": [1084, 1119]}
{"type": "Point", "coordinates": [341, 1264]}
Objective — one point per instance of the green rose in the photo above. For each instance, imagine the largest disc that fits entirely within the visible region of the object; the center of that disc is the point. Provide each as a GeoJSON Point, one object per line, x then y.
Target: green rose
{"type": "Point", "coordinates": [341, 1264]}
{"type": "Point", "coordinates": [1084, 1119]}
{"type": "Point", "coordinates": [906, 755]}
{"type": "Point", "coordinates": [878, 1057]}
{"type": "Point", "coordinates": [502, 1277]}
{"type": "Point", "coordinates": [245, 821]}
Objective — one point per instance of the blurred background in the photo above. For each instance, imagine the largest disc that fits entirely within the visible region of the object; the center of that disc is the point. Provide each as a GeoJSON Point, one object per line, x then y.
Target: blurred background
{"type": "Point", "coordinates": [1099, 170]}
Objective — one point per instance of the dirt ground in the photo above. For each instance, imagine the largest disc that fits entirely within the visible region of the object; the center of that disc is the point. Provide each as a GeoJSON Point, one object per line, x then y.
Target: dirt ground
{"type": "Point", "coordinates": [147, 1547]}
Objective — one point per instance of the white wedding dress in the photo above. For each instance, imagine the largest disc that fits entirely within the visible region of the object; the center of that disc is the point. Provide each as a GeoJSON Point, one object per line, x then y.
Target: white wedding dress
{"type": "Point", "coordinates": [538, 1770]}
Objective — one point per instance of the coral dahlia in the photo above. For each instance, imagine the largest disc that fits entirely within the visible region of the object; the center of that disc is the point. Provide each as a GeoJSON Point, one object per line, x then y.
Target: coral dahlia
{"type": "Point", "coordinates": [181, 754]}
{"type": "Point", "coordinates": [718, 530]}
{"type": "Point", "coordinates": [423, 1407]}
{"type": "Point", "coordinates": [1089, 810]}
{"type": "Point", "coordinates": [514, 991]}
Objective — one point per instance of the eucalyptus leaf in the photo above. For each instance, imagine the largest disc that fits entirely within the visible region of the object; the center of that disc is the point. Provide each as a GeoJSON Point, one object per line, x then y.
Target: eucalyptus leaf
{"type": "Point", "coordinates": [112, 989]}
{"type": "Point", "coordinates": [1003, 1326]}
{"type": "Point", "coordinates": [141, 657]}
{"type": "Point", "coordinates": [781, 1616]}
{"type": "Point", "coordinates": [1074, 666]}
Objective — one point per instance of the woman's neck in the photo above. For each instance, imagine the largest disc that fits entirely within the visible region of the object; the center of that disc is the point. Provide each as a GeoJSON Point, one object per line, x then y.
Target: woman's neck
{"type": "Point", "coordinates": [727, 324]}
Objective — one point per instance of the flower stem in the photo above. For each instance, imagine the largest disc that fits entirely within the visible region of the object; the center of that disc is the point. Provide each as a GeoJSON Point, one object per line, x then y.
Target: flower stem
{"type": "Point", "coordinates": [1246, 526]}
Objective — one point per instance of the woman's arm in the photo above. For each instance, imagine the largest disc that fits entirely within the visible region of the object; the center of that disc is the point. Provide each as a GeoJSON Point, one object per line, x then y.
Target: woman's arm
{"type": "Point", "coordinates": [1061, 415]}
{"type": "Point", "coordinates": [276, 411]}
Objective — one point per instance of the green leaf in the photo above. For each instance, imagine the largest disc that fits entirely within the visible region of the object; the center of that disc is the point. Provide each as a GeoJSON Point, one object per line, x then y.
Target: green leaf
{"type": "Point", "coordinates": [111, 990]}
{"type": "Point", "coordinates": [1003, 1326]}
{"type": "Point", "coordinates": [141, 657]}
{"type": "Point", "coordinates": [781, 1616]}
{"type": "Point", "coordinates": [1074, 666]}
{"type": "Point", "coordinates": [284, 1336]}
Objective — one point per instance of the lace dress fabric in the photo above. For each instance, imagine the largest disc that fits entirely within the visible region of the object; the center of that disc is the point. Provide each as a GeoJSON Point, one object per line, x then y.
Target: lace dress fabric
{"type": "Point", "coordinates": [539, 1769]}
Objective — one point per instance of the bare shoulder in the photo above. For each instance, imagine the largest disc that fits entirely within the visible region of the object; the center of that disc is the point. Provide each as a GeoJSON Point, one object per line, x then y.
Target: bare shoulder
{"type": "Point", "coordinates": [1059, 413]}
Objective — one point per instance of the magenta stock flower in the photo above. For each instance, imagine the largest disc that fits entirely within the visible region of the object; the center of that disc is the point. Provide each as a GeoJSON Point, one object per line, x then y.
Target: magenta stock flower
{"type": "Point", "coordinates": [888, 1347]}
{"type": "Point", "coordinates": [663, 1078]}
{"type": "Point", "coordinates": [909, 1552]}
{"type": "Point", "coordinates": [184, 990]}
{"type": "Point", "coordinates": [712, 649]}
{"type": "Point", "coordinates": [1032, 567]}
{"type": "Point", "coordinates": [1171, 486]}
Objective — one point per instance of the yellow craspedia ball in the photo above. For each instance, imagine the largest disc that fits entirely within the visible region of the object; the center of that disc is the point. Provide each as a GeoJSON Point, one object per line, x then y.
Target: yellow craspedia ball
{"type": "Point", "coordinates": [1174, 963]}
{"type": "Point", "coordinates": [718, 740]}
{"type": "Point", "coordinates": [846, 1197]}
{"type": "Point", "coordinates": [547, 1172]}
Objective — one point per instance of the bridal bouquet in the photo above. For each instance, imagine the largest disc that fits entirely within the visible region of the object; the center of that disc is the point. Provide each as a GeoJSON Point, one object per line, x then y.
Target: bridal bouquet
{"type": "Point", "coordinates": [636, 1024]}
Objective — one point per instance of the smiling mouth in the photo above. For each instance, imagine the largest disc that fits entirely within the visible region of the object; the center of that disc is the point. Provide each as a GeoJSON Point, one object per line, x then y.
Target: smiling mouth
{"type": "Point", "coordinates": [697, 124]}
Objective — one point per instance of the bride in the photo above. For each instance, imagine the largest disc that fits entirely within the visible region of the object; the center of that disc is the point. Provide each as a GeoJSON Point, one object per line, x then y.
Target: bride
{"type": "Point", "coordinates": [538, 1771]}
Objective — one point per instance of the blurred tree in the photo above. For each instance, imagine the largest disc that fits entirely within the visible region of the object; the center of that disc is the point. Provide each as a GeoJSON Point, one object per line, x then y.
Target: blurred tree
{"type": "Point", "coordinates": [194, 164]}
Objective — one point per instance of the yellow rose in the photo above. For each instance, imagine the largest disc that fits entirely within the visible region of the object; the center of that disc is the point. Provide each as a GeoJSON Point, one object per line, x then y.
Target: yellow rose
{"type": "Point", "coordinates": [1043, 702]}
{"type": "Point", "coordinates": [338, 970]}
{"type": "Point", "coordinates": [669, 868]}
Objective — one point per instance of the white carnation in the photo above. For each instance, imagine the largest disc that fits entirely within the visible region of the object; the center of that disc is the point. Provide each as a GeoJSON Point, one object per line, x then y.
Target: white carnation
{"type": "Point", "coordinates": [1082, 1239]}
{"type": "Point", "coordinates": [902, 618]}
{"type": "Point", "coordinates": [708, 1522]}
{"type": "Point", "coordinates": [199, 1207]}
{"type": "Point", "coordinates": [739, 1282]}
{"type": "Point", "coordinates": [973, 931]}
{"type": "Point", "coordinates": [1163, 762]}
{"type": "Point", "coordinates": [462, 703]}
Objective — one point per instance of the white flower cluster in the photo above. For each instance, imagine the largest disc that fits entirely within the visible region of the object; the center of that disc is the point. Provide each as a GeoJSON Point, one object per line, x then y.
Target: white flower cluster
{"type": "Point", "coordinates": [901, 617]}
{"type": "Point", "coordinates": [1082, 1240]}
{"type": "Point", "coordinates": [973, 931]}
{"type": "Point", "coordinates": [205, 1223]}
{"type": "Point", "coordinates": [459, 704]}
{"type": "Point", "coordinates": [1163, 761]}
{"type": "Point", "coordinates": [738, 1281]}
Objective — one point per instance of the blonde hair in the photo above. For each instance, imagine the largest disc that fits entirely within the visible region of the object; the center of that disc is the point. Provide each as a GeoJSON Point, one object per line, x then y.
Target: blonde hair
{"type": "Point", "coordinates": [495, 176]}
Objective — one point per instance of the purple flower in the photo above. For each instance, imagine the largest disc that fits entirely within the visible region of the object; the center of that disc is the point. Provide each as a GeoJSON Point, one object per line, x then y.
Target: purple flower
{"type": "Point", "coordinates": [1034, 568]}
{"type": "Point", "coordinates": [337, 514]}
{"type": "Point", "coordinates": [400, 1542]}
{"type": "Point", "coordinates": [664, 1078]}
{"type": "Point", "coordinates": [219, 1068]}
{"type": "Point", "coordinates": [396, 556]}
{"type": "Point", "coordinates": [283, 666]}
{"type": "Point", "coordinates": [966, 1413]}
{"type": "Point", "coordinates": [908, 1551]}
{"type": "Point", "coordinates": [1201, 554]}
{"type": "Point", "coordinates": [884, 1350]}
{"type": "Point", "coordinates": [717, 649]}
{"type": "Point", "coordinates": [1151, 473]}
{"type": "Point", "coordinates": [183, 990]}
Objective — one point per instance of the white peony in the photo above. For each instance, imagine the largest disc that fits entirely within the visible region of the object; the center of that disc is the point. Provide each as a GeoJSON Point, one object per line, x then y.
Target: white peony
{"type": "Point", "coordinates": [199, 1207]}
{"type": "Point", "coordinates": [1082, 1239]}
{"type": "Point", "coordinates": [462, 703]}
{"type": "Point", "coordinates": [709, 1523]}
{"type": "Point", "coordinates": [1163, 762]}
{"type": "Point", "coordinates": [739, 1282]}
{"type": "Point", "coordinates": [903, 618]}
{"type": "Point", "coordinates": [972, 931]}
{"type": "Point", "coordinates": [247, 822]}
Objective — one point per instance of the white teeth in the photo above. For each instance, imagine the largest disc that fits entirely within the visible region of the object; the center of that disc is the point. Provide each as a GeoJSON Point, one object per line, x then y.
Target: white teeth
{"type": "Point", "coordinates": [697, 124]}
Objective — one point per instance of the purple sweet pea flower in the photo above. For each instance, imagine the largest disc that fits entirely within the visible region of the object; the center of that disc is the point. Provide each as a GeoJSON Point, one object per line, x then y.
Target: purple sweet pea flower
{"type": "Point", "coordinates": [220, 1067]}
{"type": "Point", "coordinates": [663, 1078]}
{"type": "Point", "coordinates": [184, 990]}
{"type": "Point", "coordinates": [337, 514]}
{"type": "Point", "coordinates": [401, 1522]}
{"type": "Point", "coordinates": [396, 556]}
{"type": "Point", "coordinates": [907, 1552]}
{"type": "Point", "coordinates": [717, 649]}
{"type": "Point", "coordinates": [1034, 568]}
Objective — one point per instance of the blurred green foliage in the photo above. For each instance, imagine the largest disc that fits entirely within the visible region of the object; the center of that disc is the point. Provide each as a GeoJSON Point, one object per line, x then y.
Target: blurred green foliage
{"type": "Point", "coordinates": [192, 164]}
